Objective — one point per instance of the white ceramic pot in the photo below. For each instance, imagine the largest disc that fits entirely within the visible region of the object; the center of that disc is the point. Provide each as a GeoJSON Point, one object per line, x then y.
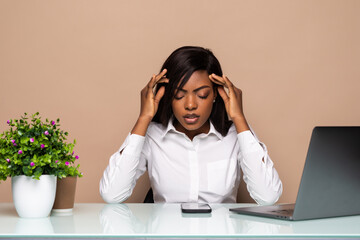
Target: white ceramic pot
{"type": "Point", "coordinates": [33, 198]}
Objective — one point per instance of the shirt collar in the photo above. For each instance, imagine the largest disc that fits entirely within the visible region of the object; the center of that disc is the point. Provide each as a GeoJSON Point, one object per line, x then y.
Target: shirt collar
{"type": "Point", "coordinates": [171, 128]}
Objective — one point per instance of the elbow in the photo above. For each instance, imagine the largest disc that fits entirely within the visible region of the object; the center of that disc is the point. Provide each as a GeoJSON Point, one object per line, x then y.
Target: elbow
{"type": "Point", "coordinates": [114, 198]}
{"type": "Point", "coordinates": [111, 195]}
{"type": "Point", "coordinates": [109, 199]}
{"type": "Point", "coordinates": [269, 197]}
{"type": "Point", "coordinates": [268, 200]}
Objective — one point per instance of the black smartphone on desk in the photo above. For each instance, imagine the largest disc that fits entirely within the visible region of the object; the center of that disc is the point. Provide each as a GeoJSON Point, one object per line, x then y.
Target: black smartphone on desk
{"type": "Point", "coordinates": [195, 208]}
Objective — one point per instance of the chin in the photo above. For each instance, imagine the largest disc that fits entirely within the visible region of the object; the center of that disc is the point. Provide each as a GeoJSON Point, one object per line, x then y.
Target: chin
{"type": "Point", "coordinates": [191, 127]}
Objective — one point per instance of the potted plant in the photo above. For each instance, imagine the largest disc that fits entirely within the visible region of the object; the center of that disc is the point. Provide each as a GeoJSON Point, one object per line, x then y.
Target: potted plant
{"type": "Point", "coordinates": [34, 153]}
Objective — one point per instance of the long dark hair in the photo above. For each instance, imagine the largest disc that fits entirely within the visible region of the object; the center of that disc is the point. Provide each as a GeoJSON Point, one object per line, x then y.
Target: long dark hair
{"type": "Point", "coordinates": [180, 65]}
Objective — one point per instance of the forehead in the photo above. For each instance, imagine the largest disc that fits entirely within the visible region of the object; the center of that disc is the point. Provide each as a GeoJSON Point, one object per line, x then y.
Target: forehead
{"type": "Point", "coordinates": [196, 80]}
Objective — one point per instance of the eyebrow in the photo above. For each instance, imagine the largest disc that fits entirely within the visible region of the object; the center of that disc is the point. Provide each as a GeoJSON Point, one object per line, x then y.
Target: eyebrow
{"type": "Point", "coordinates": [195, 90]}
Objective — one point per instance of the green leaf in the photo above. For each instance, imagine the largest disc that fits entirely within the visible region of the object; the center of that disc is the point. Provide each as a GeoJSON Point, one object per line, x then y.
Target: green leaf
{"type": "Point", "coordinates": [24, 140]}
{"type": "Point", "coordinates": [27, 171]}
{"type": "Point", "coordinates": [38, 172]}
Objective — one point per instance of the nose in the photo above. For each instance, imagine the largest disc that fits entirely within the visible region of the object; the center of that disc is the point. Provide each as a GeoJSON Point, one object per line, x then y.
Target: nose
{"type": "Point", "coordinates": [190, 103]}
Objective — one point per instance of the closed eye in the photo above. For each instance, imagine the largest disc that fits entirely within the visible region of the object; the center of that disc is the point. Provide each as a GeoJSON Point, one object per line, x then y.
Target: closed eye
{"type": "Point", "coordinates": [178, 98]}
{"type": "Point", "coordinates": [179, 95]}
{"type": "Point", "coordinates": [203, 97]}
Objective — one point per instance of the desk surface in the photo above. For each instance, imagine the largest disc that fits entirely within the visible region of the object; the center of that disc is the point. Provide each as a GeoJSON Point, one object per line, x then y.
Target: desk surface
{"type": "Point", "coordinates": [166, 220]}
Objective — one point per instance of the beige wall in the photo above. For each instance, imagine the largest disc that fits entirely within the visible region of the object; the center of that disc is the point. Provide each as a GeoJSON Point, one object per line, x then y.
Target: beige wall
{"type": "Point", "coordinates": [297, 63]}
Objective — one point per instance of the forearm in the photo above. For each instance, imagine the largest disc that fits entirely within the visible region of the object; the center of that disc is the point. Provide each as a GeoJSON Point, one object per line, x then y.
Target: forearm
{"type": "Point", "coordinates": [117, 182]}
{"type": "Point", "coordinates": [261, 177]}
{"type": "Point", "coordinates": [241, 124]}
{"type": "Point", "coordinates": [125, 167]}
{"type": "Point", "coordinates": [141, 126]}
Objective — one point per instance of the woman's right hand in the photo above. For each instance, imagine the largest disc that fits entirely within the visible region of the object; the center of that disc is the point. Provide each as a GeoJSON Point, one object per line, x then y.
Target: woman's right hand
{"type": "Point", "coordinates": [149, 103]}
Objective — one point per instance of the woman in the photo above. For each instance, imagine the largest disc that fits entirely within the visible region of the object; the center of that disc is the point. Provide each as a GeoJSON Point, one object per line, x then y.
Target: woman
{"type": "Point", "coordinates": [184, 138]}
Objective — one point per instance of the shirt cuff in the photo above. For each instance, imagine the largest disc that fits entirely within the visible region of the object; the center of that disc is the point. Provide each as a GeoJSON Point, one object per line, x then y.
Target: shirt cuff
{"type": "Point", "coordinates": [133, 145]}
{"type": "Point", "coordinates": [248, 143]}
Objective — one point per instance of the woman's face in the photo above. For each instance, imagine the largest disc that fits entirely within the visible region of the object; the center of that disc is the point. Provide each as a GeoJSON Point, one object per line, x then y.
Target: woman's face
{"type": "Point", "coordinates": [193, 103]}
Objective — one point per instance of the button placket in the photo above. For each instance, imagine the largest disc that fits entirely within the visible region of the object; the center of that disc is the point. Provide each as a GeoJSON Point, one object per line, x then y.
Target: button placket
{"type": "Point", "coordinates": [194, 173]}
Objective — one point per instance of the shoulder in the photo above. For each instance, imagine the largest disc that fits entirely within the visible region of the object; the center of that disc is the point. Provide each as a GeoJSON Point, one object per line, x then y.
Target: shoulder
{"type": "Point", "coordinates": [154, 134]}
{"type": "Point", "coordinates": [231, 136]}
{"type": "Point", "coordinates": [232, 133]}
{"type": "Point", "coordinates": [155, 130]}
{"type": "Point", "coordinates": [232, 130]}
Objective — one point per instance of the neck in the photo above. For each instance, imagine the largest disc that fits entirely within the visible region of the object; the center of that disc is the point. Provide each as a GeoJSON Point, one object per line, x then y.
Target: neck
{"type": "Point", "coordinates": [192, 133]}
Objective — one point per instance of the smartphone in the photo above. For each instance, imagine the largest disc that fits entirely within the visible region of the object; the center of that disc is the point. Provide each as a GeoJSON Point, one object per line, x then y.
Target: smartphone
{"type": "Point", "coordinates": [195, 208]}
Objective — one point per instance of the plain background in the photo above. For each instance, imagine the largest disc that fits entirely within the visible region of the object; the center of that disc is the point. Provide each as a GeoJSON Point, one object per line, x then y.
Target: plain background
{"type": "Point", "coordinates": [85, 62]}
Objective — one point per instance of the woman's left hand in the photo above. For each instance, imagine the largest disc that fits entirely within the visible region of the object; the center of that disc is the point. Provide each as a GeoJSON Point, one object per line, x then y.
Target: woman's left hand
{"type": "Point", "coordinates": [232, 100]}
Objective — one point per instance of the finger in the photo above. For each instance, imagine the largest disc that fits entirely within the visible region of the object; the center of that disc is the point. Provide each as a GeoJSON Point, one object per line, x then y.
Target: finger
{"type": "Point", "coordinates": [223, 94]}
{"type": "Point", "coordinates": [159, 94]}
{"type": "Point", "coordinates": [227, 81]}
{"type": "Point", "coordinates": [152, 81]}
{"type": "Point", "coordinates": [156, 78]}
{"type": "Point", "coordinates": [161, 74]}
{"type": "Point", "coordinates": [219, 79]}
{"type": "Point", "coordinates": [230, 86]}
{"type": "Point", "coordinates": [163, 80]}
{"type": "Point", "coordinates": [160, 80]}
{"type": "Point", "coordinates": [224, 79]}
{"type": "Point", "coordinates": [215, 80]}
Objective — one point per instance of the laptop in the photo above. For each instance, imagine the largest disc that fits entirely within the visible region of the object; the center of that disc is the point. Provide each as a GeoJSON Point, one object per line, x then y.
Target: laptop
{"type": "Point", "coordinates": [330, 183]}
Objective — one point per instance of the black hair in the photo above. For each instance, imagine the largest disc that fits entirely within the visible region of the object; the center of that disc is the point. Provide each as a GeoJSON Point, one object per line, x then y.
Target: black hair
{"type": "Point", "coordinates": [180, 65]}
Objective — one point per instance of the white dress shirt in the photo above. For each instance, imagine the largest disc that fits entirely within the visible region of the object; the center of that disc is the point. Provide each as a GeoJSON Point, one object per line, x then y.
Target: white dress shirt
{"type": "Point", "coordinates": [206, 169]}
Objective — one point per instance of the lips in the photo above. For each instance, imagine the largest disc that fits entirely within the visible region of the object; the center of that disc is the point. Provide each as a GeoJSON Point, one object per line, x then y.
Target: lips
{"type": "Point", "coordinates": [191, 118]}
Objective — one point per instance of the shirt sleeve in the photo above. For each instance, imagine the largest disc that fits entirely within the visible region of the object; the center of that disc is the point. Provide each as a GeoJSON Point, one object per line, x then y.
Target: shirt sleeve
{"type": "Point", "coordinates": [124, 169]}
{"type": "Point", "coordinates": [260, 176]}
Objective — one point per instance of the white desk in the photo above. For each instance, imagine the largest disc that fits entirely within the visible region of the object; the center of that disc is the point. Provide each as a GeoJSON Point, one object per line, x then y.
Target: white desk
{"type": "Point", "coordinates": [167, 221]}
